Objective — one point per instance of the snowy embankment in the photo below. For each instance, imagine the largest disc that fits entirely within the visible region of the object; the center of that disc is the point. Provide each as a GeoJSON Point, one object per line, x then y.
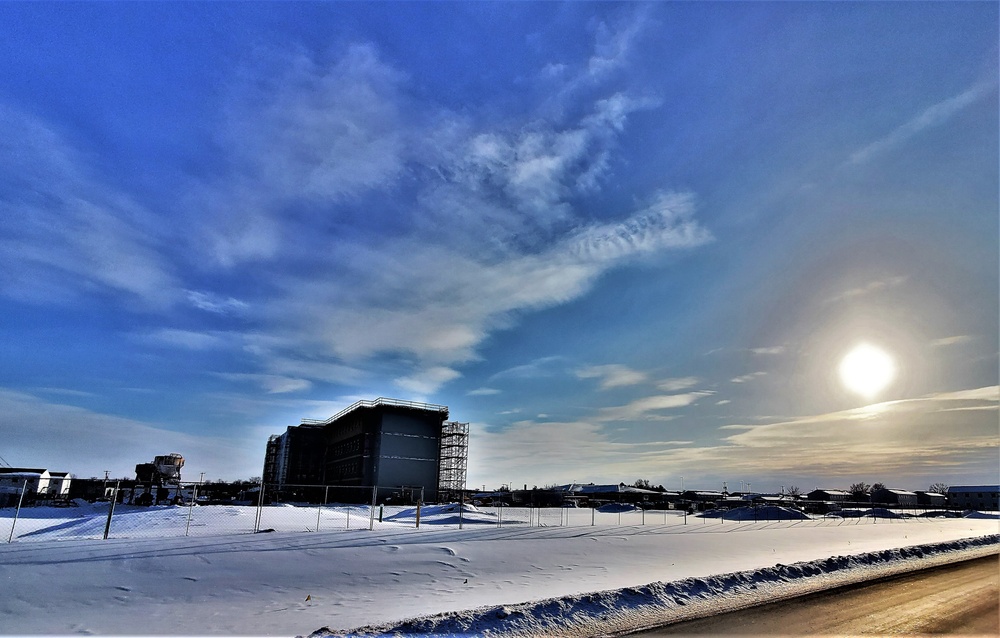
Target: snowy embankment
{"type": "Point", "coordinates": [630, 609]}
{"type": "Point", "coordinates": [59, 579]}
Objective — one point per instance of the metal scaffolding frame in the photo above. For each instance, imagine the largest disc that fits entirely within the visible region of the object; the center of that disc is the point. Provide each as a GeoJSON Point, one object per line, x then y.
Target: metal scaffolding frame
{"type": "Point", "coordinates": [454, 459]}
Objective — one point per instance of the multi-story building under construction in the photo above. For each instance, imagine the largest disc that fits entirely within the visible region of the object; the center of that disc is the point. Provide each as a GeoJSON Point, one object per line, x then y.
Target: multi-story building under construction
{"type": "Point", "coordinates": [385, 443]}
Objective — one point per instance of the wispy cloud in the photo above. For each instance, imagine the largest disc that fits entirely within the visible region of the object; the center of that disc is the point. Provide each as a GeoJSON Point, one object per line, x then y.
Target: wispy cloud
{"type": "Point", "coordinates": [948, 434]}
{"type": "Point", "coordinates": [271, 383]}
{"type": "Point", "coordinates": [87, 442]}
{"type": "Point", "coordinates": [869, 288]}
{"type": "Point", "coordinates": [748, 377]}
{"type": "Point", "coordinates": [931, 117]}
{"type": "Point", "coordinates": [427, 381]}
{"type": "Point", "coordinates": [650, 408]}
{"type": "Point", "coordinates": [483, 392]}
{"type": "Point", "coordinates": [65, 234]}
{"type": "Point", "coordinates": [612, 375]}
{"type": "Point", "coordinates": [349, 266]}
{"type": "Point", "coordinates": [954, 340]}
{"type": "Point", "coordinates": [188, 339]}
{"type": "Point", "coordinates": [538, 368]}
{"type": "Point", "coordinates": [677, 383]}
{"type": "Point", "coordinates": [769, 350]}
{"type": "Point", "coordinates": [215, 303]}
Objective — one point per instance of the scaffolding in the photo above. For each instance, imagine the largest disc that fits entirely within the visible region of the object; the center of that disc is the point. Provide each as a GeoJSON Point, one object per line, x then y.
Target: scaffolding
{"type": "Point", "coordinates": [454, 460]}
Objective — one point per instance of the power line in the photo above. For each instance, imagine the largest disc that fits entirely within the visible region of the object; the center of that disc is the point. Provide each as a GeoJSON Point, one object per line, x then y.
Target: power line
{"type": "Point", "coordinates": [3, 461]}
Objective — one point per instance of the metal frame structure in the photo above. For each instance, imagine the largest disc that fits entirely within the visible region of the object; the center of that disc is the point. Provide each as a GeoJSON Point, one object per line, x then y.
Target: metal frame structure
{"type": "Point", "coordinates": [454, 460]}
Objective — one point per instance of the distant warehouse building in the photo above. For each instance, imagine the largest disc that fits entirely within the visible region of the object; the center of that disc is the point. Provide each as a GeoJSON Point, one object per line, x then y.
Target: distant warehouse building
{"type": "Point", "coordinates": [974, 497]}
{"type": "Point", "coordinates": [385, 443]}
{"type": "Point", "coordinates": [888, 496]}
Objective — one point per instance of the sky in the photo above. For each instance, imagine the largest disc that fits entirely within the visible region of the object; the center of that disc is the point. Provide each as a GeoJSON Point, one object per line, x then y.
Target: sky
{"type": "Point", "coordinates": [623, 241]}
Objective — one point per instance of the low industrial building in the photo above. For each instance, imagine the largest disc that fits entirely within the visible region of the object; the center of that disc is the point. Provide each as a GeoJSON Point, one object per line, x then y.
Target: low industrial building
{"type": "Point", "coordinates": [388, 443]}
{"type": "Point", "coordinates": [37, 482]}
{"type": "Point", "coordinates": [888, 496]}
{"type": "Point", "coordinates": [931, 499]}
{"type": "Point", "coordinates": [833, 496]}
{"type": "Point", "coordinates": [974, 497]}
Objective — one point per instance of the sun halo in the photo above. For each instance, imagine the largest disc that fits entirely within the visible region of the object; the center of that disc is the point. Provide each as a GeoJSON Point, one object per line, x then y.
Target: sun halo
{"type": "Point", "coordinates": [866, 370]}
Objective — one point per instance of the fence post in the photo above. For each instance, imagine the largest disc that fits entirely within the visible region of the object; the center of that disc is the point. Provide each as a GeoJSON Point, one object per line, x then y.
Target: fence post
{"type": "Point", "coordinates": [418, 514]}
{"type": "Point", "coordinates": [194, 497]}
{"type": "Point", "coordinates": [319, 510]}
{"type": "Point", "coordinates": [593, 516]}
{"type": "Point", "coordinates": [24, 488]}
{"type": "Point", "coordinates": [461, 507]}
{"type": "Point", "coordinates": [111, 511]}
{"type": "Point", "coordinates": [260, 507]}
{"type": "Point", "coordinates": [371, 514]}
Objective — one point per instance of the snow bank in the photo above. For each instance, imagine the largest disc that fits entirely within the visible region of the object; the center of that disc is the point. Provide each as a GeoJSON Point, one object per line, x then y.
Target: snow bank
{"type": "Point", "coordinates": [633, 608]}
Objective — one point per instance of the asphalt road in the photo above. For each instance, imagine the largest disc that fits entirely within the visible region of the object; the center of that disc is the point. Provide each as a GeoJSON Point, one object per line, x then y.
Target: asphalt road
{"type": "Point", "coordinates": [958, 599]}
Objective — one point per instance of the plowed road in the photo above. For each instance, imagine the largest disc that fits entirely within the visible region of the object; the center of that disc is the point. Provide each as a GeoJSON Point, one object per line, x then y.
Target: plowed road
{"type": "Point", "coordinates": [961, 598]}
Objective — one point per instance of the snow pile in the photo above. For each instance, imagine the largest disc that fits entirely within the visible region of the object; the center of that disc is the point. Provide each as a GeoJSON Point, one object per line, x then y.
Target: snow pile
{"type": "Point", "coordinates": [615, 508]}
{"type": "Point", "coordinates": [449, 514]}
{"type": "Point", "coordinates": [874, 512]}
{"type": "Point", "coordinates": [766, 513]}
{"type": "Point", "coordinates": [632, 608]}
{"type": "Point", "coordinates": [981, 515]}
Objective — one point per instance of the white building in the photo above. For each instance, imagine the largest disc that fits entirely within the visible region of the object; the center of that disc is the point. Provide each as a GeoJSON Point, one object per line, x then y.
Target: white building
{"type": "Point", "coordinates": [38, 481]}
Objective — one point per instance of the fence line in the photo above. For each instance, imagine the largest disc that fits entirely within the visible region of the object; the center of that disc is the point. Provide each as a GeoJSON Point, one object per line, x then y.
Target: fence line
{"type": "Point", "coordinates": [191, 510]}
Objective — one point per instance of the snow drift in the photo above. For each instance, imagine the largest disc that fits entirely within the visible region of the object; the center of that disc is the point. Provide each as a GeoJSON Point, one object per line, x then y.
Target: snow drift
{"type": "Point", "coordinates": [632, 608]}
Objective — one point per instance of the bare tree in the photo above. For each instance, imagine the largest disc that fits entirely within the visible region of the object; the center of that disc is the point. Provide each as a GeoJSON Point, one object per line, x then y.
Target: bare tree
{"type": "Point", "coordinates": [938, 488]}
{"type": "Point", "coordinates": [642, 484]}
{"type": "Point", "coordinates": [793, 491]}
{"type": "Point", "coordinates": [859, 490]}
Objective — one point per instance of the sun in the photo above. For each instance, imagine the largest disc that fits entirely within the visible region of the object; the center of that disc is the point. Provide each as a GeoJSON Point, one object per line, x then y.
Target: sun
{"type": "Point", "coordinates": [867, 370]}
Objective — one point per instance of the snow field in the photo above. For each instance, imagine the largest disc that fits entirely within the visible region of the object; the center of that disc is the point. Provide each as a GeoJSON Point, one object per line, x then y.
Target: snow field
{"type": "Point", "coordinates": [289, 583]}
{"type": "Point", "coordinates": [88, 520]}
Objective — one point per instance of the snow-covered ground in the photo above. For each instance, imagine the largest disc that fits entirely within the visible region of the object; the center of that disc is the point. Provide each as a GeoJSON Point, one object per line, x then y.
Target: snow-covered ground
{"type": "Point", "coordinates": [148, 578]}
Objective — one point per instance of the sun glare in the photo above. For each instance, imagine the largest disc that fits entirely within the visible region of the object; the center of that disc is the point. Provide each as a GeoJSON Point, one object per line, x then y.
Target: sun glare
{"type": "Point", "coordinates": [866, 370]}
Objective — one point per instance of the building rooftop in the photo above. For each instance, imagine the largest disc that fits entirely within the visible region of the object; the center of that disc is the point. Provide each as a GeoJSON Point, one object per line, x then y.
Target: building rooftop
{"type": "Point", "coordinates": [379, 402]}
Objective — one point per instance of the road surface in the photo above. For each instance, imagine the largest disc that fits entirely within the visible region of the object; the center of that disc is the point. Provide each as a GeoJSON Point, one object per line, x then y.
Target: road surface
{"type": "Point", "coordinates": [960, 599]}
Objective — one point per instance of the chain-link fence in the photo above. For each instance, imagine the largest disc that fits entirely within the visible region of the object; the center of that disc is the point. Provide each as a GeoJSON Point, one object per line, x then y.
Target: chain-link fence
{"type": "Point", "coordinates": [198, 510]}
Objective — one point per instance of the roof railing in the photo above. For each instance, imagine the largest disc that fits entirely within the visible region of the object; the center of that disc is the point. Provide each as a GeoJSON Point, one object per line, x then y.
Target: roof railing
{"type": "Point", "coordinates": [379, 402]}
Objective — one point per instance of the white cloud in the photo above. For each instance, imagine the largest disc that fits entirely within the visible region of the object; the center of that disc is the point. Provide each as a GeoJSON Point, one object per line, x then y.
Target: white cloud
{"type": "Point", "coordinates": [86, 443]}
{"type": "Point", "coordinates": [215, 303]}
{"type": "Point", "coordinates": [931, 117]}
{"type": "Point", "coordinates": [769, 350]}
{"type": "Point", "coordinates": [483, 392]}
{"type": "Point", "coordinates": [427, 381]}
{"type": "Point", "coordinates": [677, 383]}
{"type": "Point", "coordinates": [954, 340]}
{"type": "Point", "coordinates": [667, 223]}
{"type": "Point", "coordinates": [911, 442]}
{"type": "Point", "coordinates": [648, 408]}
{"type": "Point", "coordinates": [748, 377]}
{"type": "Point", "coordinates": [189, 339]}
{"type": "Point", "coordinates": [869, 288]}
{"type": "Point", "coordinates": [485, 231]}
{"type": "Point", "coordinates": [66, 234]}
{"type": "Point", "coordinates": [612, 376]}
{"type": "Point", "coordinates": [271, 383]}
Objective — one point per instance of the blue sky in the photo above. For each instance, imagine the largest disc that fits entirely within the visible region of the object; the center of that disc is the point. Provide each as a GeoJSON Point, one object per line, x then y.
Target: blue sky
{"type": "Point", "coordinates": [621, 240]}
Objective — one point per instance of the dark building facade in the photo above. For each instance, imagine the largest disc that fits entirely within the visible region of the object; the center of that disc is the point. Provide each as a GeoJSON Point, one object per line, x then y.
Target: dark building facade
{"type": "Point", "coordinates": [974, 497]}
{"type": "Point", "coordinates": [385, 442]}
